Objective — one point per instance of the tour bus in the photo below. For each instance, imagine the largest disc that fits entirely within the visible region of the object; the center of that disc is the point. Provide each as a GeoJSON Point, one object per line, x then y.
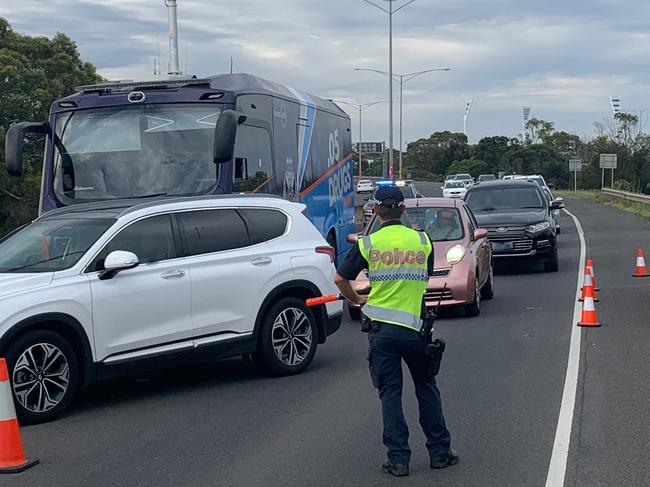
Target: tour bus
{"type": "Point", "coordinates": [187, 136]}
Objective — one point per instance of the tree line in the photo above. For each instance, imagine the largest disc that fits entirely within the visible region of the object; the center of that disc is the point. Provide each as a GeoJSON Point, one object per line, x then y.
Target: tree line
{"type": "Point", "coordinates": [540, 150]}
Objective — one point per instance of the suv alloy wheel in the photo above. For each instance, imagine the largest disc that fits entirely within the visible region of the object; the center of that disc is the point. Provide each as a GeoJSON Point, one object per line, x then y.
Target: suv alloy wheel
{"type": "Point", "coordinates": [44, 375]}
{"type": "Point", "coordinates": [288, 337]}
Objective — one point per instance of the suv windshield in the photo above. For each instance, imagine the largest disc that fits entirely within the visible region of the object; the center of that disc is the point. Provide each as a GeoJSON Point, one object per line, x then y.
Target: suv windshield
{"type": "Point", "coordinates": [50, 245]}
{"type": "Point", "coordinates": [441, 224]}
{"type": "Point", "coordinates": [504, 198]}
{"type": "Point", "coordinates": [463, 176]}
{"type": "Point", "coordinates": [407, 191]}
{"type": "Point", "coordinates": [455, 184]}
{"type": "Point", "coordinates": [135, 151]}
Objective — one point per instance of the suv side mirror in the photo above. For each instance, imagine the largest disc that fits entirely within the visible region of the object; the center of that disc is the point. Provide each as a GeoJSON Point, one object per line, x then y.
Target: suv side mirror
{"type": "Point", "coordinates": [225, 132]}
{"type": "Point", "coordinates": [14, 144]}
{"type": "Point", "coordinates": [116, 261]}
{"type": "Point", "coordinates": [556, 205]}
{"type": "Point", "coordinates": [480, 233]}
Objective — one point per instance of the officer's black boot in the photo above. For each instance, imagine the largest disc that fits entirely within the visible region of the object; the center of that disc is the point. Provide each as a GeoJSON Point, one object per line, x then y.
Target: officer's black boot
{"type": "Point", "coordinates": [396, 469]}
{"type": "Point", "coordinates": [443, 461]}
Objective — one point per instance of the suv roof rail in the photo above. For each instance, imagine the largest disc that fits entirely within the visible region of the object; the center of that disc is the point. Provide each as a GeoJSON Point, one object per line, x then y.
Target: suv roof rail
{"type": "Point", "coordinates": [131, 205]}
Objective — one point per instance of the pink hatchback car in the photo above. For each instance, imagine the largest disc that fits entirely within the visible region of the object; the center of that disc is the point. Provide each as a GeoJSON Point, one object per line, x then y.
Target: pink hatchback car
{"type": "Point", "coordinates": [463, 256]}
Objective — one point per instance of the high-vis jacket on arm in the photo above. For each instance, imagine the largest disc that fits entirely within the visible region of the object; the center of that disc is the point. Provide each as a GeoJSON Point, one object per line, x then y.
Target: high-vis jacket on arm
{"type": "Point", "coordinates": [397, 269]}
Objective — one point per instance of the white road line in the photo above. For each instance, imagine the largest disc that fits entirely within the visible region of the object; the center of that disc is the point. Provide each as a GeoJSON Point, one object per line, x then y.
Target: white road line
{"type": "Point", "coordinates": [559, 457]}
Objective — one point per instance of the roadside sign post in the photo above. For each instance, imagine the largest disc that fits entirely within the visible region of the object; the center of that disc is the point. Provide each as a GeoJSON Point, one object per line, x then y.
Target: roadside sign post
{"type": "Point", "coordinates": [575, 165]}
{"type": "Point", "coordinates": [608, 161]}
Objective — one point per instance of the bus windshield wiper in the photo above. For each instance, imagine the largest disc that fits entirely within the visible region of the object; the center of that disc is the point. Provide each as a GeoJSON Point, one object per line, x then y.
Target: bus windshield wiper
{"type": "Point", "coordinates": [141, 196]}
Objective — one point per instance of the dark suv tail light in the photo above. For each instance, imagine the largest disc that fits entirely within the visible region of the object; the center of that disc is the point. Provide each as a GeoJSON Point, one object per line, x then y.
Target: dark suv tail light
{"type": "Point", "coordinates": [328, 250]}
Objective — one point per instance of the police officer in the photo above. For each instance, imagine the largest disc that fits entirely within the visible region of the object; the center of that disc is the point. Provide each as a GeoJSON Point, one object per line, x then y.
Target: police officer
{"type": "Point", "coordinates": [399, 261]}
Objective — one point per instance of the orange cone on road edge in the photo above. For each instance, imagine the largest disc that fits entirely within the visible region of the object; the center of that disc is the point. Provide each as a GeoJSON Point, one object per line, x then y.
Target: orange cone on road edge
{"type": "Point", "coordinates": [590, 264]}
{"type": "Point", "coordinates": [588, 309]}
{"type": "Point", "coordinates": [640, 270]}
{"type": "Point", "coordinates": [12, 456]}
{"type": "Point", "coordinates": [588, 282]}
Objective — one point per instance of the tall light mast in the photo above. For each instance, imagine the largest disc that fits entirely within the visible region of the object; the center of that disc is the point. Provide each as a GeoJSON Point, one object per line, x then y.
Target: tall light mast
{"type": "Point", "coordinates": [173, 68]}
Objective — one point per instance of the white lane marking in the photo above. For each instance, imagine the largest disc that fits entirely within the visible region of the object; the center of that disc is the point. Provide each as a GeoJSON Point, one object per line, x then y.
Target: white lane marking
{"type": "Point", "coordinates": [559, 457]}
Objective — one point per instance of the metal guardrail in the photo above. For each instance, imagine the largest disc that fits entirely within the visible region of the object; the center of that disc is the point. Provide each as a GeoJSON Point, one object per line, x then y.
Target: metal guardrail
{"type": "Point", "coordinates": [626, 195]}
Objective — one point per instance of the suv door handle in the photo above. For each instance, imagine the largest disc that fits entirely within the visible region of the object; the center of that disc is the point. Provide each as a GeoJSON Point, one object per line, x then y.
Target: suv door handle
{"type": "Point", "coordinates": [173, 274]}
{"type": "Point", "coordinates": [261, 261]}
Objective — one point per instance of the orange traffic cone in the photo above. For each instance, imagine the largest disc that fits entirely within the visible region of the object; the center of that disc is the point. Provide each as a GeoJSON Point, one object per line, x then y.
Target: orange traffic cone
{"type": "Point", "coordinates": [640, 270]}
{"type": "Point", "coordinates": [589, 309]}
{"type": "Point", "coordinates": [12, 456]}
{"type": "Point", "coordinates": [586, 283]}
{"type": "Point", "coordinates": [590, 264]}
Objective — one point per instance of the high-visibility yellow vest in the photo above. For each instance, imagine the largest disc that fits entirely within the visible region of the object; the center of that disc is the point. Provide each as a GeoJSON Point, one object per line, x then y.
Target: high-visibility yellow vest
{"type": "Point", "coordinates": [397, 269]}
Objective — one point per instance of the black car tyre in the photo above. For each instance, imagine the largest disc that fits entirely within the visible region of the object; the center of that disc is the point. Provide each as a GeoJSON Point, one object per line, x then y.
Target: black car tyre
{"type": "Point", "coordinates": [474, 308]}
{"type": "Point", "coordinates": [288, 338]}
{"type": "Point", "coordinates": [44, 375]}
{"type": "Point", "coordinates": [552, 264]}
{"type": "Point", "coordinates": [355, 313]}
{"type": "Point", "coordinates": [487, 291]}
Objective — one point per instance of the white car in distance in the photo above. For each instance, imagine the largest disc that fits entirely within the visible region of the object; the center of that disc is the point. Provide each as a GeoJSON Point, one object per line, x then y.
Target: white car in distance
{"type": "Point", "coordinates": [454, 189]}
{"type": "Point", "coordinates": [365, 186]}
{"type": "Point", "coordinates": [97, 290]}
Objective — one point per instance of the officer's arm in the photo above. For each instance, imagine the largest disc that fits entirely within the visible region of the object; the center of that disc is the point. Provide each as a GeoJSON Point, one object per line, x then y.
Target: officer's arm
{"type": "Point", "coordinates": [353, 264]}
{"type": "Point", "coordinates": [431, 259]}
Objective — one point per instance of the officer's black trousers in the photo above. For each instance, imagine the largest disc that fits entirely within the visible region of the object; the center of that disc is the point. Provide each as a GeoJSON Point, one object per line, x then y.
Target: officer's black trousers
{"type": "Point", "coordinates": [388, 347]}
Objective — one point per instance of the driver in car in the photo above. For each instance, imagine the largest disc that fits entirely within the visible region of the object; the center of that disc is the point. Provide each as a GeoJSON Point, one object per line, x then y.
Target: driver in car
{"type": "Point", "coordinates": [445, 227]}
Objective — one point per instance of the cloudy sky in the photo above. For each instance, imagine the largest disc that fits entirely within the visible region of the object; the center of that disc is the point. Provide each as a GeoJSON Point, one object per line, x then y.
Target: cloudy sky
{"type": "Point", "coordinates": [563, 58]}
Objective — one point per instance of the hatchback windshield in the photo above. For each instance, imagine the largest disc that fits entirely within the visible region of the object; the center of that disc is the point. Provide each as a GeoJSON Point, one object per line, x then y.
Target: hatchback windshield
{"type": "Point", "coordinates": [407, 191]}
{"type": "Point", "coordinates": [50, 245]}
{"type": "Point", "coordinates": [441, 224]}
{"type": "Point", "coordinates": [491, 199]}
{"type": "Point", "coordinates": [135, 151]}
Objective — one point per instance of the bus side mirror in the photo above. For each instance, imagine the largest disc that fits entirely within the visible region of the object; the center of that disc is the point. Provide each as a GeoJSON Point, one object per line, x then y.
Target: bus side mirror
{"type": "Point", "coordinates": [224, 135]}
{"type": "Point", "coordinates": [14, 144]}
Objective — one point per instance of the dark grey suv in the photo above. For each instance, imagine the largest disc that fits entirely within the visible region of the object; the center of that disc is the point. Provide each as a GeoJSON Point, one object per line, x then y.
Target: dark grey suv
{"type": "Point", "coordinates": [518, 218]}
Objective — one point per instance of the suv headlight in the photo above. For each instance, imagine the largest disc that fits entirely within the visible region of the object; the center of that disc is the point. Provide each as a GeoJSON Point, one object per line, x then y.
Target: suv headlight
{"type": "Point", "coordinates": [455, 254]}
{"type": "Point", "coordinates": [538, 227]}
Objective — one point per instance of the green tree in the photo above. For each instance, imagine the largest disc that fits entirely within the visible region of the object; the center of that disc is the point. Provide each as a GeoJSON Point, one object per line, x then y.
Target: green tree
{"type": "Point", "coordinates": [34, 71]}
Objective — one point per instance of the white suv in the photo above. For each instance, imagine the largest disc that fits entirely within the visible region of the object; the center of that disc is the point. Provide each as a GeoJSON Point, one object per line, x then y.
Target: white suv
{"type": "Point", "coordinates": [99, 290]}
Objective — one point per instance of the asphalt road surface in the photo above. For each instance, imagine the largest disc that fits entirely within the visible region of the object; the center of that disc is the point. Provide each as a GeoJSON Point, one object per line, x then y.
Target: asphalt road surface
{"type": "Point", "coordinates": [502, 381]}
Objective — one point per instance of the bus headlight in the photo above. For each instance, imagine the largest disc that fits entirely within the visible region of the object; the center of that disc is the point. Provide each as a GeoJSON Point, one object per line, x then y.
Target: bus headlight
{"type": "Point", "coordinates": [455, 254]}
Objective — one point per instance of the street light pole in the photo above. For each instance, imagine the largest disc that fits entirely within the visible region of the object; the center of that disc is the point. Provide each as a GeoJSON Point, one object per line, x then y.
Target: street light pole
{"type": "Point", "coordinates": [360, 107]}
{"type": "Point", "coordinates": [390, 13]}
{"type": "Point", "coordinates": [401, 79]}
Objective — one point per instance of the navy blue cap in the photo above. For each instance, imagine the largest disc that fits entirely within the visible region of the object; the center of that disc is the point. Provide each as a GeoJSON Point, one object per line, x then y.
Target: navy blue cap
{"type": "Point", "coordinates": [389, 197]}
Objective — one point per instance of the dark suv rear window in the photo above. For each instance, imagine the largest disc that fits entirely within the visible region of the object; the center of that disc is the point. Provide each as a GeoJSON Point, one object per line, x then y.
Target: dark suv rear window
{"type": "Point", "coordinates": [263, 224]}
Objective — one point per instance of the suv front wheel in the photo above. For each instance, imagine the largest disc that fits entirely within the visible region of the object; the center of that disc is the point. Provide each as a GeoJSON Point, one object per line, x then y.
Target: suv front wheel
{"type": "Point", "coordinates": [44, 375]}
{"type": "Point", "coordinates": [552, 264]}
{"type": "Point", "coordinates": [288, 337]}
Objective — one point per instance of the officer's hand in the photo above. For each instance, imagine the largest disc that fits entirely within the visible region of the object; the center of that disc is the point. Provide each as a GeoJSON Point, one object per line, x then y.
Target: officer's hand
{"type": "Point", "coordinates": [362, 299]}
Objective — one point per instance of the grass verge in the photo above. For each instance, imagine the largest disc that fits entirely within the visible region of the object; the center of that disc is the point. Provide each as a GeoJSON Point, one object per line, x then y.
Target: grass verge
{"type": "Point", "coordinates": [636, 208]}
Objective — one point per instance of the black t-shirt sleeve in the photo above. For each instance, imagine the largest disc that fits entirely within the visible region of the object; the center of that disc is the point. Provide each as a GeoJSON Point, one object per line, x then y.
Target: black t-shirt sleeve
{"type": "Point", "coordinates": [353, 264]}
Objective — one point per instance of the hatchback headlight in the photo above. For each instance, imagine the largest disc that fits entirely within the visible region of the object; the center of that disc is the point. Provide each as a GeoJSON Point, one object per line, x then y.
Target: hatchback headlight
{"type": "Point", "coordinates": [455, 254]}
{"type": "Point", "coordinates": [538, 227]}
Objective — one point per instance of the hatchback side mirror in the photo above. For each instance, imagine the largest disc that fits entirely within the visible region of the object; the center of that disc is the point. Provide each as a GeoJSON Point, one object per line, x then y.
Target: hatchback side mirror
{"type": "Point", "coordinates": [480, 233]}
{"type": "Point", "coordinates": [116, 261]}
{"type": "Point", "coordinates": [225, 133]}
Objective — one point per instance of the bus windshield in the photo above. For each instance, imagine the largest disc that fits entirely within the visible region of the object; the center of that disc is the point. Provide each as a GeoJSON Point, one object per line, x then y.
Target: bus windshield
{"type": "Point", "coordinates": [135, 151]}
